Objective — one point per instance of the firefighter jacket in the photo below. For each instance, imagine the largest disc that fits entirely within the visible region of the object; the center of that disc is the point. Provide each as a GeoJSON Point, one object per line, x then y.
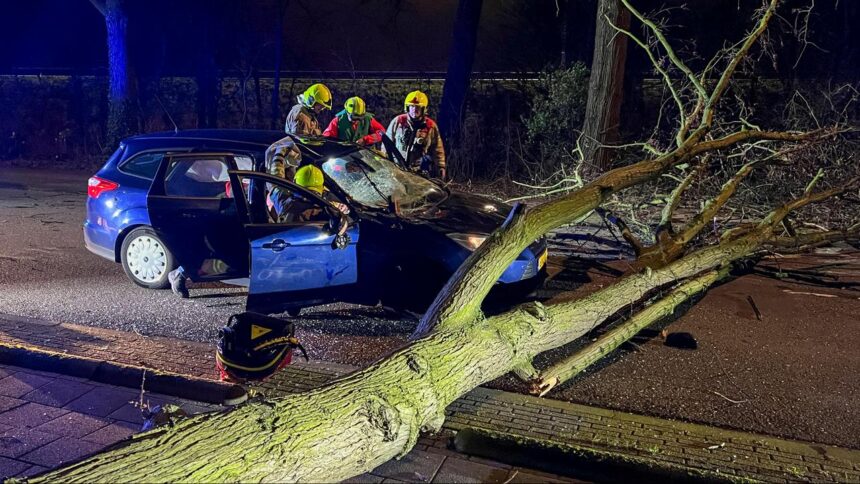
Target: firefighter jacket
{"type": "Point", "coordinates": [301, 121]}
{"type": "Point", "coordinates": [367, 129]}
{"type": "Point", "coordinates": [282, 156]}
{"type": "Point", "coordinates": [282, 159]}
{"type": "Point", "coordinates": [418, 142]}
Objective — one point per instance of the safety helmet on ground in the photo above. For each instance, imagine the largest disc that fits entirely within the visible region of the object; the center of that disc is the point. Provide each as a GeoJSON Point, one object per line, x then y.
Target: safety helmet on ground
{"type": "Point", "coordinates": [317, 94]}
{"type": "Point", "coordinates": [355, 106]}
{"type": "Point", "coordinates": [416, 98]}
{"type": "Point", "coordinates": [254, 346]}
{"type": "Point", "coordinates": [311, 178]}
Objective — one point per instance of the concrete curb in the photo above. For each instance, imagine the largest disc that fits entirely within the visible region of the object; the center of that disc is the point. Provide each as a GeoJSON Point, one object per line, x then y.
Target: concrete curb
{"type": "Point", "coordinates": [577, 462]}
{"type": "Point", "coordinates": [111, 373]}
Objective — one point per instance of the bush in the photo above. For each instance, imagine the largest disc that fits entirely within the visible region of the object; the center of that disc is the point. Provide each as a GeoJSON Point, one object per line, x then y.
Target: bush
{"type": "Point", "coordinates": [556, 117]}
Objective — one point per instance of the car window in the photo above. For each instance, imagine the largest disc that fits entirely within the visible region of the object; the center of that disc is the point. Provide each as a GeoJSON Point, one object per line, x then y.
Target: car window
{"type": "Point", "coordinates": [374, 181]}
{"type": "Point", "coordinates": [197, 177]}
{"type": "Point", "coordinates": [281, 204]}
{"type": "Point", "coordinates": [244, 162]}
{"type": "Point", "coordinates": [144, 164]}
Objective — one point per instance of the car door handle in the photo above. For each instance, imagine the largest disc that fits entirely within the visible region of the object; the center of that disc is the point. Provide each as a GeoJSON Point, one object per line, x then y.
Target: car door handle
{"type": "Point", "coordinates": [276, 245]}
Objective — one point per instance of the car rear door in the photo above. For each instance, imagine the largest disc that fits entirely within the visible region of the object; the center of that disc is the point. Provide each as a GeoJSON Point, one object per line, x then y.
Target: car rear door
{"type": "Point", "coordinates": [191, 208]}
{"type": "Point", "coordinates": [293, 258]}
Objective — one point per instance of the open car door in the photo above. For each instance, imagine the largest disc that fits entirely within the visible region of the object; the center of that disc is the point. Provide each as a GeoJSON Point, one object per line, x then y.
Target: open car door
{"type": "Point", "coordinates": [191, 207]}
{"type": "Point", "coordinates": [302, 254]}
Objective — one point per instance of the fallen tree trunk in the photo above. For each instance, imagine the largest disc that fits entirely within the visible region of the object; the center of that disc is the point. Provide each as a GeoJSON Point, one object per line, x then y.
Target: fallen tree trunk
{"type": "Point", "coordinates": [365, 419]}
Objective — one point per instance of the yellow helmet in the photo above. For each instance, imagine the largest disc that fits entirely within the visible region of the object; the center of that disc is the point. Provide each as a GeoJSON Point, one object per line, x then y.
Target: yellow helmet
{"type": "Point", "coordinates": [355, 106]}
{"type": "Point", "coordinates": [416, 98]}
{"type": "Point", "coordinates": [317, 93]}
{"type": "Point", "coordinates": [311, 178]}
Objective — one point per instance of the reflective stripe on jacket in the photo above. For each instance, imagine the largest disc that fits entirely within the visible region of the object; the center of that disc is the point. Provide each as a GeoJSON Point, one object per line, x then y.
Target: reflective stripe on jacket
{"type": "Point", "coordinates": [416, 139]}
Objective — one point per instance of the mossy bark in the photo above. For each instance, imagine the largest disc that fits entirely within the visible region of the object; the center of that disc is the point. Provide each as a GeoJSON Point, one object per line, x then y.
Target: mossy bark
{"type": "Point", "coordinates": [362, 420]}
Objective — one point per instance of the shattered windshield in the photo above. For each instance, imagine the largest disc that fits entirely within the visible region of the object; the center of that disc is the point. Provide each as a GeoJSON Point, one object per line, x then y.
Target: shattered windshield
{"type": "Point", "coordinates": [370, 180]}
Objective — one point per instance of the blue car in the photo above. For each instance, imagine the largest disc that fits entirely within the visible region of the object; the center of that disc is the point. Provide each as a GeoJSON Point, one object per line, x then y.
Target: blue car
{"type": "Point", "coordinates": [201, 199]}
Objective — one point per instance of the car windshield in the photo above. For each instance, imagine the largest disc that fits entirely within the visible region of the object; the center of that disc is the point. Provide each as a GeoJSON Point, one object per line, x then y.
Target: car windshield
{"type": "Point", "coordinates": [371, 180]}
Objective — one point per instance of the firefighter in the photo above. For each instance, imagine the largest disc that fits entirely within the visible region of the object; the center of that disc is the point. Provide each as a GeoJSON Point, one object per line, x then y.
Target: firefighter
{"type": "Point", "coordinates": [417, 136]}
{"type": "Point", "coordinates": [355, 124]}
{"type": "Point", "coordinates": [300, 210]}
{"type": "Point", "coordinates": [302, 119]}
{"type": "Point", "coordinates": [283, 156]}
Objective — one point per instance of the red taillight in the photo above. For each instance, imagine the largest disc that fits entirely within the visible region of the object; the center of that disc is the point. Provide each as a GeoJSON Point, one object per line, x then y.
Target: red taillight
{"type": "Point", "coordinates": [96, 186]}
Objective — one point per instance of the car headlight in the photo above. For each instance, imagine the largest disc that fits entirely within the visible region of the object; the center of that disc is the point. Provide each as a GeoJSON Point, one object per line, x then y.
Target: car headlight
{"type": "Point", "coordinates": [469, 241]}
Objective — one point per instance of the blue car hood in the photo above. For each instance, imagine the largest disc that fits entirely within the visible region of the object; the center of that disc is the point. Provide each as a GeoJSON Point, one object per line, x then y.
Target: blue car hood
{"type": "Point", "coordinates": [466, 213]}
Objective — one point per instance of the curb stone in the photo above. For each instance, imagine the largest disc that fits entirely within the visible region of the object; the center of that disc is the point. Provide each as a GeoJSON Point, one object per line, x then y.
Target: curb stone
{"type": "Point", "coordinates": [118, 374]}
{"type": "Point", "coordinates": [586, 463]}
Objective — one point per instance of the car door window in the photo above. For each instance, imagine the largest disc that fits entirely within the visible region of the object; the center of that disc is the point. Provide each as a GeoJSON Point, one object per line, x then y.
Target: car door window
{"type": "Point", "coordinates": [283, 204]}
{"type": "Point", "coordinates": [205, 176]}
{"type": "Point", "coordinates": [244, 162]}
{"type": "Point", "coordinates": [143, 165]}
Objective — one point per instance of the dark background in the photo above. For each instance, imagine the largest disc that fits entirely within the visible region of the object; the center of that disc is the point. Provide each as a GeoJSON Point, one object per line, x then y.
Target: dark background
{"type": "Point", "coordinates": [339, 36]}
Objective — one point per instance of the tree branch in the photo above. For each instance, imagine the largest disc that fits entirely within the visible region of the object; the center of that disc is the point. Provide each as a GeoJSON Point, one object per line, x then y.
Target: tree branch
{"type": "Point", "coordinates": [700, 90]}
{"type": "Point", "coordinates": [723, 83]}
{"type": "Point", "coordinates": [574, 364]}
{"type": "Point", "coordinates": [656, 63]}
{"type": "Point", "coordinates": [675, 198]}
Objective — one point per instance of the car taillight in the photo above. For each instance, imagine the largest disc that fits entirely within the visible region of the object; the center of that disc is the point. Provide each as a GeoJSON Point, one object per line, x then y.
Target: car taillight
{"type": "Point", "coordinates": [96, 186]}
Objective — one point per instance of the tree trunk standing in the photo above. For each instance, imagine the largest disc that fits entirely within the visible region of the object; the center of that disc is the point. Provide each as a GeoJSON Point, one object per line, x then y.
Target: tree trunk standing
{"type": "Point", "coordinates": [459, 68]}
{"type": "Point", "coordinates": [258, 99]}
{"type": "Point", "coordinates": [605, 86]}
{"type": "Point", "coordinates": [206, 75]}
{"type": "Point", "coordinates": [122, 84]}
{"type": "Point", "coordinates": [276, 122]}
{"type": "Point", "coordinates": [207, 87]}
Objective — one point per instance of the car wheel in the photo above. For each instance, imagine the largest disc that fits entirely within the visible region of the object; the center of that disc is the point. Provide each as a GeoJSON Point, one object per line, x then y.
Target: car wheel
{"type": "Point", "coordinates": [146, 260]}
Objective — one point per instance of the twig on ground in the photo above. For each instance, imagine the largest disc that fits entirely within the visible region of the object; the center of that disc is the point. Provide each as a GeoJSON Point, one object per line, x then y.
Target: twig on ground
{"type": "Point", "coordinates": [729, 399]}
{"type": "Point", "coordinates": [788, 291]}
{"type": "Point", "coordinates": [754, 307]}
{"type": "Point", "coordinates": [142, 390]}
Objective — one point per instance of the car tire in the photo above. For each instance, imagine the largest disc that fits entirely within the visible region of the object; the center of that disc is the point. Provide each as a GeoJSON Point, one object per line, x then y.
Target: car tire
{"type": "Point", "coordinates": [146, 260]}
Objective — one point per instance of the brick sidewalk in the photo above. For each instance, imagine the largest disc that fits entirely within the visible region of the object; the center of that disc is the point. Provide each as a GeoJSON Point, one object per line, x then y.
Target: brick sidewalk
{"type": "Point", "coordinates": [598, 432]}
{"type": "Point", "coordinates": [47, 419]}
